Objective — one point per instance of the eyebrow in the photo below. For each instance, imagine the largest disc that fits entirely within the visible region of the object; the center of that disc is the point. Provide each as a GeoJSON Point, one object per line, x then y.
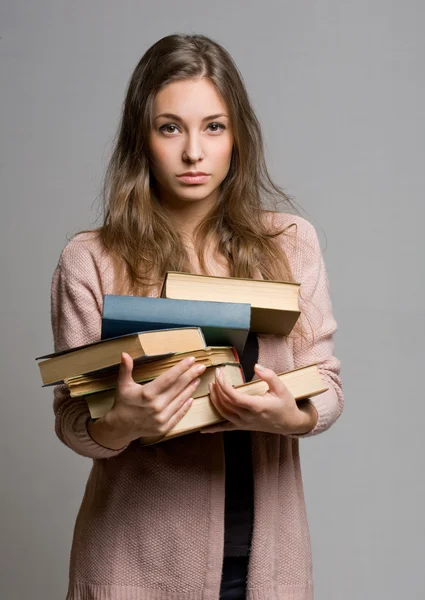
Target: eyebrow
{"type": "Point", "coordinates": [177, 118]}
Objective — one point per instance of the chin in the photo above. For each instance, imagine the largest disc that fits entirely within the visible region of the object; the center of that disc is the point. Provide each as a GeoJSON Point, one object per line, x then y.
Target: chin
{"type": "Point", "coordinates": [193, 197]}
{"type": "Point", "coordinates": [197, 193]}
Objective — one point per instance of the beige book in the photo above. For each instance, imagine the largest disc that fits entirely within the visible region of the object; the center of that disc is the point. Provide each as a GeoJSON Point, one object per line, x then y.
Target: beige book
{"type": "Point", "coordinates": [302, 383]}
{"type": "Point", "coordinates": [101, 402]}
{"type": "Point", "coordinates": [59, 366]}
{"type": "Point", "coordinates": [274, 304]}
{"type": "Point", "coordinates": [81, 385]}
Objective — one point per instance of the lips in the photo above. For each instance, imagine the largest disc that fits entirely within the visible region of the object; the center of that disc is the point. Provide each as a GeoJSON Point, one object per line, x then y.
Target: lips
{"type": "Point", "coordinates": [193, 178]}
{"type": "Point", "coordinates": [192, 174]}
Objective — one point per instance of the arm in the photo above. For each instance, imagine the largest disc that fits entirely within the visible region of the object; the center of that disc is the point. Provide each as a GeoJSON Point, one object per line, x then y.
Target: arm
{"type": "Point", "coordinates": [76, 314]}
{"type": "Point", "coordinates": [310, 417]}
{"type": "Point", "coordinates": [316, 314]}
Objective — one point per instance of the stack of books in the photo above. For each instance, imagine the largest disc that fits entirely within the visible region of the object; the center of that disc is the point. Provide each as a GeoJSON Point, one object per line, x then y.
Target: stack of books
{"type": "Point", "coordinates": [196, 315]}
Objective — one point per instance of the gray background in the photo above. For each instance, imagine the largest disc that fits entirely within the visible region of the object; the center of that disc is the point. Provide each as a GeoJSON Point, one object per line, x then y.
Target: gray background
{"type": "Point", "coordinates": [339, 90]}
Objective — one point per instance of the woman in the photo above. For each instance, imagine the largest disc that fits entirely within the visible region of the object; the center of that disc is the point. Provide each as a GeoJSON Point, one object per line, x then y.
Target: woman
{"type": "Point", "coordinates": [211, 515]}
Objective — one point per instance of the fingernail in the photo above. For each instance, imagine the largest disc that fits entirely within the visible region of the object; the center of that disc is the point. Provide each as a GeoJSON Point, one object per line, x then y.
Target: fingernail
{"type": "Point", "coordinates": [259, 367]}
{"type": "Point", "coordinates": [196, 382]}
{"type": "Point", "coordinates": [218, 374]}
{"type": "Point", "coordinates": [200, 368]}
{"type": "Point", "coordinates": [191, 360]}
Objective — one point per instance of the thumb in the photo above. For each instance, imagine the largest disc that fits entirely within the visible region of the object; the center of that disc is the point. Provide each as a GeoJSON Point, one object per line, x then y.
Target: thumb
{"type": "Point", "coordinates": [125, 370]}
{"type": "Point", "coordinates": [276, 386]}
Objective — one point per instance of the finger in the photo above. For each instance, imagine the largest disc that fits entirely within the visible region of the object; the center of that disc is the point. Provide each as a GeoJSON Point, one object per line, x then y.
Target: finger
{"type": "Point", "coordinates": [172, 375]}
{"type": "Point", "coordinates": [178, 415]}
{"type": "Point", "coordinates": [276, 386]}
{"type": "Point", "coordinates": [234, 399]}
{"type": "Point", "coordinates": [125, 371]}
{"type": "Point", "coordinates": [184, 382]}
{"type": "Point", "coordinates": [170, 408]}
{"type": "Point", "coordinates": [227, 412]}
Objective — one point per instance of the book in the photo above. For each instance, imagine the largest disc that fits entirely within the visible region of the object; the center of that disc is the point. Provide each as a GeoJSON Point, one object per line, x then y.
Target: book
{"type": "Point", "coordinates": [222, 323]}
{"type": "Point", "coordinates": [304, 382]}
{"type": "Point", "coordinates": [274, 304]}
{"type": "Point", "coordinates": [82, 385]}
{"type": "Point", "coordinates": [101, 402]}
{"type": "Point", "coordinates": [144, 346]}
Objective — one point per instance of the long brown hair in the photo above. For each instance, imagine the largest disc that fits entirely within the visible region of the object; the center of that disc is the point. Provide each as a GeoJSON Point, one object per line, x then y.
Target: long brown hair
{"type": "Point", "coordinates": [136, 229]}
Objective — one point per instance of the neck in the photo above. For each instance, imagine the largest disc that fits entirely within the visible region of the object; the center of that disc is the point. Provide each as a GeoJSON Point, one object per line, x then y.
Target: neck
{"type": "Point", "coordinates": [187, 215]}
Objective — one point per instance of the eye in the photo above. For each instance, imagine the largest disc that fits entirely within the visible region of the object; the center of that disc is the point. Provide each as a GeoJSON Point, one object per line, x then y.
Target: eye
{"type": "Point", "coordinates": [167, 126]}
{"type": "Point", "coordinates": [219, 125]}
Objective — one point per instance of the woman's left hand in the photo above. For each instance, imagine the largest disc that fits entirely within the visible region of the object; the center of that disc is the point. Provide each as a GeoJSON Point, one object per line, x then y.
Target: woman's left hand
{"type": "Point", "coordinates": [274, 412]}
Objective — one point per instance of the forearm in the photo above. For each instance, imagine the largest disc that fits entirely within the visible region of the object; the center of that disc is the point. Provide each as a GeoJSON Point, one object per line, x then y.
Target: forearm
{"type": "Point", "coordinates": [329, 406]}
{"type": "Point", "coordinates": [317, 313]}
{"type": "Point", "coordinates": [308, 417]}
{"type": "Point", "coordinates": [104, 434]}
{"type": "Point", "coordinates": [72, 427]}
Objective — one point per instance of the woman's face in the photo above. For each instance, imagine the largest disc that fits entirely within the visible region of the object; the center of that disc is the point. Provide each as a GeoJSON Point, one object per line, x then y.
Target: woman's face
{"type": "Point", "coordinates": [191, 132]}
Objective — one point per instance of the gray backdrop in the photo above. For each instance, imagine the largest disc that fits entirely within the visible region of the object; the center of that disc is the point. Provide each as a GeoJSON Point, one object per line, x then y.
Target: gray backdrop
{"type": "Point", "coordinates": [339, 90]}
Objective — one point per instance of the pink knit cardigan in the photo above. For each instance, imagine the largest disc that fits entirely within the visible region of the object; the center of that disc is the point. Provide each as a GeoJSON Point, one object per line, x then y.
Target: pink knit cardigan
{"type": "Point", "coordinates": [151, 522]}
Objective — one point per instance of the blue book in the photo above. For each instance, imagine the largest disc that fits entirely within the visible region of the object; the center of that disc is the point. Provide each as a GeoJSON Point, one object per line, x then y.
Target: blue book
{"type": "Point", "coordinates": [222, 323]}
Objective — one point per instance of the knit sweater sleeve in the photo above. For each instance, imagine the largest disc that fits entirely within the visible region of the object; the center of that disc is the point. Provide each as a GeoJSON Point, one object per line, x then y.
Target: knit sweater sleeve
{"type": "Point", "coordinates": [317, 317]}
{"type": "Point", "coordinates": [76, 313]}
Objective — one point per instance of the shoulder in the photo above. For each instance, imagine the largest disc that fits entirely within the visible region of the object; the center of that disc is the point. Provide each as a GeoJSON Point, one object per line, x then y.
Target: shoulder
{"type": "Point", "coordinates": [84, 259]}
{"type": "Point", "coordinates": [300, 242]}
{"type": "Point", "coordinates": [288, 221]}
{"type": "Point", "coordinates": [82, 251]}
{"type": "Point", "coordinates": [82, 247]}
{"type": "Point", "coordinates": [298, 236]}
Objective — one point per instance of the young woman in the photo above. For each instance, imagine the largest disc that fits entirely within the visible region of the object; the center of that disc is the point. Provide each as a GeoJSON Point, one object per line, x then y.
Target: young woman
{"type": "Point", "coordinates": [218, 514]}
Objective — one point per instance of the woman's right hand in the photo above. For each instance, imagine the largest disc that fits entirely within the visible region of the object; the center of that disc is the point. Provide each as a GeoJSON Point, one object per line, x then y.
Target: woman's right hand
{"type": "Point", "coordinates": [147, 410]}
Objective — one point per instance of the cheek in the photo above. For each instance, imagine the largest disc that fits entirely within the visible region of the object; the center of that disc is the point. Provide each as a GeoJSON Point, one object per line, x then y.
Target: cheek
{"type": "Point", "coordinates": [160, 154]}
{"type": "Point", "coordinates": [223, 155]}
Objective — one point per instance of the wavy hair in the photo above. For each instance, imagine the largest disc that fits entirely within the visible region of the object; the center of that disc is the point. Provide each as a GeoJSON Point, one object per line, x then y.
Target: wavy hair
{"type": "Point", "coordinates": [136, 229]}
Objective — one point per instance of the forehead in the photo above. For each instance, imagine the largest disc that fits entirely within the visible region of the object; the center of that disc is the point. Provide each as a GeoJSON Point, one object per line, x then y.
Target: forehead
{"type": "Point", "coordinates": [190, 99]}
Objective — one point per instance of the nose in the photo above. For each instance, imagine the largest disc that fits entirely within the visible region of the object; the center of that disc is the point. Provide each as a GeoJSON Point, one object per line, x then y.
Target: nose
{"type": "Point", "coordinates": [192, 150]}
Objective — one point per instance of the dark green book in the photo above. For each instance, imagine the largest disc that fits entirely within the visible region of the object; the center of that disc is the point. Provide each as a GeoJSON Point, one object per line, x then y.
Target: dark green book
{"type": "Point", "coordinates": [222, 323]}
